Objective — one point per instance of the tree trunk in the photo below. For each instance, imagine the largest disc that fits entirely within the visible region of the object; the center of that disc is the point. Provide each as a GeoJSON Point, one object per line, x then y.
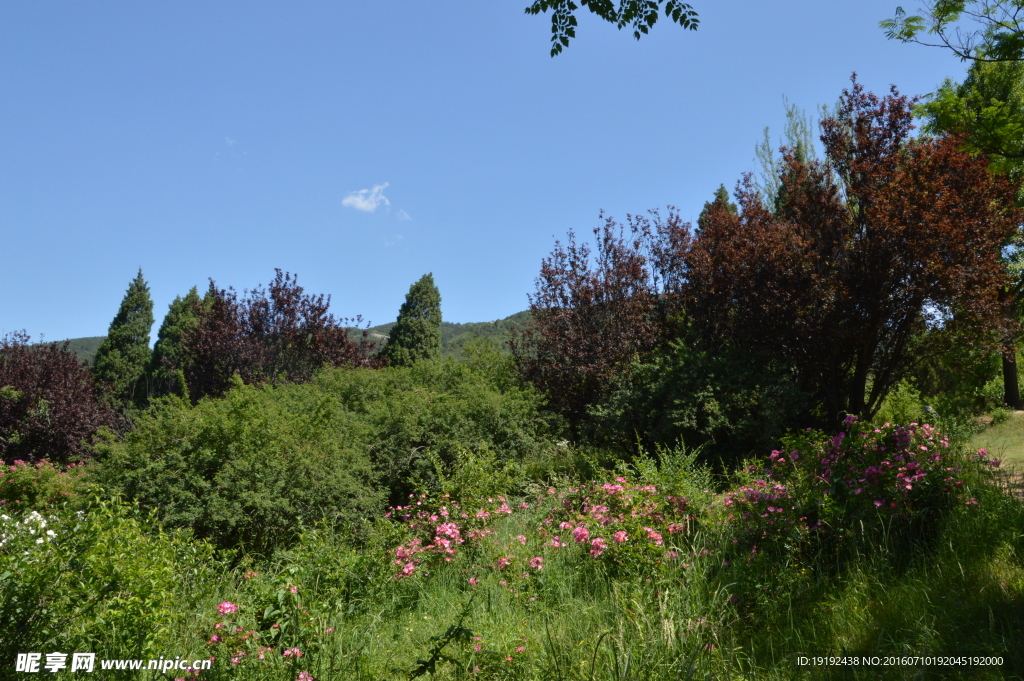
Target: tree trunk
{"type": "Point", "coordinates": [1011, 390]}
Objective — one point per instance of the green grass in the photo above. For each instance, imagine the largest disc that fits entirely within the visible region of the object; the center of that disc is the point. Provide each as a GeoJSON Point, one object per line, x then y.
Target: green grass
{"type": "Point", "coordinates": [1005, 440]}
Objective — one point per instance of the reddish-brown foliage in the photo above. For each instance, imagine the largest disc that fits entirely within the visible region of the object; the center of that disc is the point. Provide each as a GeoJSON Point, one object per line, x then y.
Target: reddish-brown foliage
{"type": "Point", "coordinates": [861, 253]}
{"type": "Point", "coordinates": [48, 402]}
{"type": "Point", "coordinates": [277, 335]}
{"type": "Point", "coordinates": [864, 251]}
{"type": "Point", "coordinates": [591, 318]}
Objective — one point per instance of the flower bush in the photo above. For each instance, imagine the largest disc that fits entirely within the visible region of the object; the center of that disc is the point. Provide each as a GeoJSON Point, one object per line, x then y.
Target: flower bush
{"type": "Point", "coordinates": [41, 485]}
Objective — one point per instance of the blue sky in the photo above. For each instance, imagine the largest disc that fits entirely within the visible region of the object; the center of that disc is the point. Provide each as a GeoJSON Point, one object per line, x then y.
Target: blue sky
{"type": "Point", "coordinates": [224, 139]}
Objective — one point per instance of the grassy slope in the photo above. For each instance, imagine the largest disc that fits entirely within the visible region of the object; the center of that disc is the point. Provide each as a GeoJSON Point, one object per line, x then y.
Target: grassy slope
{"type": "Point", "coordinates": [1005, 441]}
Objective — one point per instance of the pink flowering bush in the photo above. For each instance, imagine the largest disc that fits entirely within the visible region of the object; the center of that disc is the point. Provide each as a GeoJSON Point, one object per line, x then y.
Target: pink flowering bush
{"type": "Point", "coordinates": [440, 527]}
{"type": "Point", "coordinates": [902, 478]}
{"type": "Point", "coordinates": [41, 485]}
{"type": "Point", "coordinates": [622, 523]}
{"type": "Point", "coordinates": [892, 472]}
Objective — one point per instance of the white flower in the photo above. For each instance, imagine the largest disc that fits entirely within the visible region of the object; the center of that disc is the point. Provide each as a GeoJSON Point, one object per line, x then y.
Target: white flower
{"type": "Point", "coordinates": [39, 541]}
{"type": "Point", "coordinates": [51, 533]}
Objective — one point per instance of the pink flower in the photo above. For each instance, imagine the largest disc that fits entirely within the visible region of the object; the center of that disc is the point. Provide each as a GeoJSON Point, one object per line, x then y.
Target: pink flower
{"type": "Point", "coordinates": [581, 534]}
{"type": "Point", "coordinates": [522, 539]}
{"type": "Point", "coordinates": [653, 536]}
{"type": "Point", "coordinates": [520, 649]}
{"type": "Point", "coordinates": [292, 652]}
{"type": "Point", "coordinates": [620, 536]}
{"type": "Point", "coordinates": [537, 563]}
{"type": "Point", "coordinates": [473, 581]}
{"type": "Point", "coordinates": [597, 547]}
{"type": "Point", "coordinates": [328, 630]}
{"type": "Point", "coordinates": [556, 542]}
{"type": "Point", "coordinates": [227, 608]}
{"type": "Point", "coordinates": [304, 676]}
{"type": "Point", "coordinates": [503, 563]}
{"type": "Point", "coordinates": [294, 589]}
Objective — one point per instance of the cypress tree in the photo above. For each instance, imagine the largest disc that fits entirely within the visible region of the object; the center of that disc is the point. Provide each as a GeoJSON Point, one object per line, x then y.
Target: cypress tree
{"type": "Point", "coordinates": [417, 333]}
{"type": "Point", "coordinates": [121, 359]}
{"type": "Point", "coordinates": [169, 355]}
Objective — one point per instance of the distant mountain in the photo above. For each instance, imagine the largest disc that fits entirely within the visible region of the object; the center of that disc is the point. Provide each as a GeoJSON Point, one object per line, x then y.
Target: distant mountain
{"type": "Point", "coordinates": [85, 348]}
{"type": "Point", "coordinates": [453, 336]}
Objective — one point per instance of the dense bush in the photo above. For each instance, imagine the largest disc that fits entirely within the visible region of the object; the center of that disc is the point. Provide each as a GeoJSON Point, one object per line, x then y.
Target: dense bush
{"type": "Point", "coordinates": [247, 469]}
{"type": "Point", "coordinates": [104, 580]}
{"type": "Point", "coordinates": [418, 422]}
{"type": "Point", "coordinates": [726, 402]}
{"type": "Point", "coordinates": [49, 405]}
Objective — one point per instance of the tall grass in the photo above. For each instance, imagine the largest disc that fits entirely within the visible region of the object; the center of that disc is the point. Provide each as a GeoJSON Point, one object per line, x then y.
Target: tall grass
{"type": "Point", "coordinates": [713, 609]}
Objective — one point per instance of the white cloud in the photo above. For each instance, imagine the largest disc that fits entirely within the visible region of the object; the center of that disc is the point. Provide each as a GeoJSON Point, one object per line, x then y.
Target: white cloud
{"type": "Point", "coordinates": [402, 215]}
{"type": "Point", "coordinates": [367, 200]}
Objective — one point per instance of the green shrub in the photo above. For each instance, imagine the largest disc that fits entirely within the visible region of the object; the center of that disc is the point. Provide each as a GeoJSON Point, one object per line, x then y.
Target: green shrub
{"type": "Point", "coordinates": [246, 470]}
{"type": "Point", "coordinates": [418, 422]}
{"type": "Point", "coordinates": [735, 407]}
{"type": "Point", "coordinates": [103, 579]}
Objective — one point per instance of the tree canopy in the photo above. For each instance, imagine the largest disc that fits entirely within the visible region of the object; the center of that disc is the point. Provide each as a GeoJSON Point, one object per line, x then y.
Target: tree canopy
{"type": "Point", "coordinates": [640, 15]}
{"type": "Point", "coordinates": [276, 335]}
{"type": "Point", "coordinates": [862, 251]}
{"type": "Point", "coordinates": [997, 34]}
{"type": "Point", "coordinates": [48, 402]}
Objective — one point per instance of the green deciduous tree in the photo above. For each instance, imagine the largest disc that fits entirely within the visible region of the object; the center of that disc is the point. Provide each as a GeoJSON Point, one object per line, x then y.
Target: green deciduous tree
{"type": "Point", "coordinates": [121, 360]}
{"type": "Point", "coordinates": [417, 334]}
{"type": "Point", "coordinates": [640, 15]}
{"type": "Point", "coordinates": [986, 111]}
{"type": "Point", "coordinates": [997, 34]}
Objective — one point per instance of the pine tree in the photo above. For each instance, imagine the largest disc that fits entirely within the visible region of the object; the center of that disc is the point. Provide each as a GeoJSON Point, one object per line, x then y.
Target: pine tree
{"type": "Point", "coordinates": [169, 355]}
{"type": "Point", "coordinates": [417, 333]}
{"type": "Point", "coordinates": [121, 359]}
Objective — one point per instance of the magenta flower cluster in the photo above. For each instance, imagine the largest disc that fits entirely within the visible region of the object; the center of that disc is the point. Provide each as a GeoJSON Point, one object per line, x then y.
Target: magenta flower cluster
{"type": "Point", "coordinates": [442, 526]}
{"type": "Point", "coordinates": [894, 470]}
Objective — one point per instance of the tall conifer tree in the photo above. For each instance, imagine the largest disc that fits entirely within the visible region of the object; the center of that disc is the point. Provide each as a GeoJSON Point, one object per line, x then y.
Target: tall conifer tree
{"type": "Point", "coordinates": [417, 334]}
{"type": "Point", "coordinates": [169, 355]}
{"type": "Point", "coordinates": [121, 359]}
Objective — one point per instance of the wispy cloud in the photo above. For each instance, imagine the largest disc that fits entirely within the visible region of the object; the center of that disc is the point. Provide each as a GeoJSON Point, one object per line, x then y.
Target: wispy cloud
{"type": "Point", "coordinates": [402, 215]}
{"type": "Point", "coordinates": [367, 200]}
